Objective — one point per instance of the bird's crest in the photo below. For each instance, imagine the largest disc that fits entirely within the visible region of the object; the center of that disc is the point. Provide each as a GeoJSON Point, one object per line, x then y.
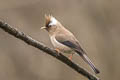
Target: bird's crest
{"type": "Point", "coordinates": [47, 19]}
{"type": "Point", "coordinates": [50, 20]}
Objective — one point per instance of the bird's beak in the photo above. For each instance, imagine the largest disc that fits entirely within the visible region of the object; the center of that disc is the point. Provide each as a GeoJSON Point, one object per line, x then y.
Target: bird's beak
{"type": "Point", "coordinates": [43, 27]}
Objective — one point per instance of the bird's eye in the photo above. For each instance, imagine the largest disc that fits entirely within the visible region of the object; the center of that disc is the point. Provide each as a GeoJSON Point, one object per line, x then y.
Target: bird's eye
{"type": "Point", "coordinates": [48, 25]}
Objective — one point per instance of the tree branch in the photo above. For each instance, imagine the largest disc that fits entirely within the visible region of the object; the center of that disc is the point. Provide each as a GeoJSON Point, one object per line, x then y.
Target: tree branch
{"type": "Point", "coordinates": [27, 39]}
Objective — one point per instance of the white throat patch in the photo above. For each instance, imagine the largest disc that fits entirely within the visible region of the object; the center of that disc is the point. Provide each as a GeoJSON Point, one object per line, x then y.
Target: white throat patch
{"type": "Point", "coordinates": [53, 21]}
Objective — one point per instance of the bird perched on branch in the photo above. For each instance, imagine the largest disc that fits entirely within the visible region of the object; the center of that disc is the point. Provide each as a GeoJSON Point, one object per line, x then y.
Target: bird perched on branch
{"type": "Point", "coordinates": [64, 41]}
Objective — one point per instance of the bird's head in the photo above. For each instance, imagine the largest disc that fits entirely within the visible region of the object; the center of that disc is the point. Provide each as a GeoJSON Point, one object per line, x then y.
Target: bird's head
{"type": "Point", "coordinates": [51, 24]}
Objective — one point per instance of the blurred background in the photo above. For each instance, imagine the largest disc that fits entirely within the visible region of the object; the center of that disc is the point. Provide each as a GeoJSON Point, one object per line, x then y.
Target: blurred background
{"type": "Point", "coordinates": [96, 24]}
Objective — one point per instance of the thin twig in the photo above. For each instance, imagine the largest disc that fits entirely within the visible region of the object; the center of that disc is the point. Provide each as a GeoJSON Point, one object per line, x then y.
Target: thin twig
{"type": "Point", "coordinates": [27, 39]}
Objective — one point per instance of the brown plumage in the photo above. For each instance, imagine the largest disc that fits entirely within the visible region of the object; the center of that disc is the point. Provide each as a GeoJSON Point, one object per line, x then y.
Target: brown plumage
{"type": "Point", "coordinates": [64, 40]}
{"type": "Point", "coordinates": [47, 19]}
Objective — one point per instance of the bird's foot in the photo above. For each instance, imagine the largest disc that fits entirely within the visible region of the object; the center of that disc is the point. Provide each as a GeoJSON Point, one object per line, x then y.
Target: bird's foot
{"type": "Point", "coordinates": [58, 51]}
{"type": "Point", "coordinates": [70, 57]}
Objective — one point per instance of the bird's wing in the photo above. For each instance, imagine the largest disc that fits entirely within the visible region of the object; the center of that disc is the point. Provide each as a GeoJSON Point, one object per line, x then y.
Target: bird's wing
{"type": "Point", "coordinates": [68, 40]}
{"type": "Point", "coordinates": [71, 41]}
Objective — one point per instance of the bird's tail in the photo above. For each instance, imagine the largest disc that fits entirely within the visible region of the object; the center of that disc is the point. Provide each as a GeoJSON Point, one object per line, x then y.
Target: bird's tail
{"type": "Point", "coordinates": [86, 59]}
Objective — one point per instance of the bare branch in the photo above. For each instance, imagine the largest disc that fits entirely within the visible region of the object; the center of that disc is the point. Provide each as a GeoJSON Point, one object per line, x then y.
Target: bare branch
{"type": "Point", "coordinates": [27, 39]}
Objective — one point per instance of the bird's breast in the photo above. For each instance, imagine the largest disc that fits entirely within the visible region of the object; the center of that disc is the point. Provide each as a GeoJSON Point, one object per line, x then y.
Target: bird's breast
{"type": "Point", "coordinates": [60, 46]}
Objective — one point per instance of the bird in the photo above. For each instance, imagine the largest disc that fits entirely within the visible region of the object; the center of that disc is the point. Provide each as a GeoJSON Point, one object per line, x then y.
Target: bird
{"type": "Point", "coordinates": [64, 41]}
